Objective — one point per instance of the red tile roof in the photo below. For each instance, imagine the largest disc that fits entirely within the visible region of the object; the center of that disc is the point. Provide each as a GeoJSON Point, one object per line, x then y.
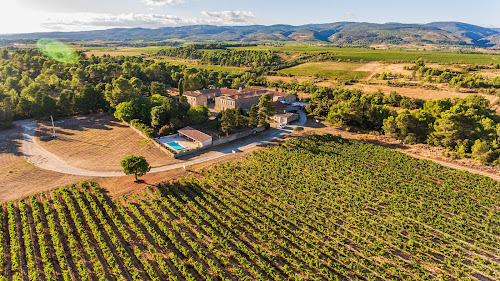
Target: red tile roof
{"type": "Point", "coordinates": [279, 105]}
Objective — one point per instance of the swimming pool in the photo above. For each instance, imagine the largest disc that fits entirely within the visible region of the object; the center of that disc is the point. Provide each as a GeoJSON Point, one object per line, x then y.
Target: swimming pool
{"type": "Point", "coordinates": [175, 145]}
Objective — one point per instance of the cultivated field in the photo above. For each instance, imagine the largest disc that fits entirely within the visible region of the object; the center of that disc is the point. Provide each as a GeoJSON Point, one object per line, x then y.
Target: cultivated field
{"type": "Point", "coordinates": [98, 142]}
{"type": "Point", "coordinates": [334, 70]}
{"type": "Point", "coordinates": [320, 208]}
{"type": "Point", "coordinates": [391, 55]}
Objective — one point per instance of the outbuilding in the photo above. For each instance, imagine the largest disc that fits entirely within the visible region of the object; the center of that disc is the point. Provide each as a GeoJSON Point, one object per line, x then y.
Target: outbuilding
{"type": "Point", "coordinates": [286, 118]}
{"type": "Point", "coordinates": [196, 136]}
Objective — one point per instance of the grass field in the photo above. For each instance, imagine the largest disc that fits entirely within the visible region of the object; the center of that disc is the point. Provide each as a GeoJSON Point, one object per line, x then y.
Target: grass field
{"type": "Point", "coordinates": [360, 54]}
{"type": "Point", "coordinates": [320, 208]}
{"type": "Point", "coordinates": [327, 69]}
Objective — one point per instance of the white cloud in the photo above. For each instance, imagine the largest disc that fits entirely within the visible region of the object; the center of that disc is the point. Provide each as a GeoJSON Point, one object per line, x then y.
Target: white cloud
{"type": "Point", "coordinates": [86, 21]}
{"type": "Point", "coordinates": [232, 17]}
{"type": "Point", "coordinates": [350, 15]}
{"type": "Point", "coordinates": [89, 21]}
{"type": "Point", "coordinates": [161, 2]}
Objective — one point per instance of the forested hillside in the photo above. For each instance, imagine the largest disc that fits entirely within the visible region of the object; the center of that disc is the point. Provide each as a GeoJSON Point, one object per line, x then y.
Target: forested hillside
{"type": "Point", "coordinates": [340, 33]}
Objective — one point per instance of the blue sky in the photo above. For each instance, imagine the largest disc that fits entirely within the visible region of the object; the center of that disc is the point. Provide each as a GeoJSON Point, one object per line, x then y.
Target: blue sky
{"type": "Point", "coordinates": [72, 15]}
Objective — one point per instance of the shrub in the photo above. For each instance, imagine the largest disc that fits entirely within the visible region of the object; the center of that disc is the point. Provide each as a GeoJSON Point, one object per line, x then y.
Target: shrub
{"type": "Point", "coordinates": [166, 130]}
{"type": "Point", "coordinates": [298, 129]}
{"type": "Point", "coordinates": [145, 129]}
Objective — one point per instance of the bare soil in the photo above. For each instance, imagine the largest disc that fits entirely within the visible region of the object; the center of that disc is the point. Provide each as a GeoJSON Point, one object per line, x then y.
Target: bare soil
{"type": "Point", "coordinates": [18, 177]}
{"type": "Point", "coordinates": [415, 92]}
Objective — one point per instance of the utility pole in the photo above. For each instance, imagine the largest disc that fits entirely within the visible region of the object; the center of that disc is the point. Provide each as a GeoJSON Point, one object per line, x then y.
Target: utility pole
{"type": "Point", "coordinates": [53, 127]}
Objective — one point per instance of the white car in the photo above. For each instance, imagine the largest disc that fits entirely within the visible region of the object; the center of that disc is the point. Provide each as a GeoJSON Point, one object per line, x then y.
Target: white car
{"type": "Point", "coordinates": [282, 126]}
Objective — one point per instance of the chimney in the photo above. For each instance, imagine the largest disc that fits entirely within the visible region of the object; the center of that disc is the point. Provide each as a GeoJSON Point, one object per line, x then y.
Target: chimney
{"type": "Point", "coordinates": [240, 89]}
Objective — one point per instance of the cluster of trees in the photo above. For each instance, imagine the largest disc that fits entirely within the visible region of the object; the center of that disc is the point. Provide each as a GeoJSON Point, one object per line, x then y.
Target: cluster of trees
{"type": "Point", "coordinates": [457, 79]}
{"type": "Point", "coordinates": [258, 115]}
{"type": "Point", "coordinates": [162, 113]}
{"type": "Point", "coordinates": [461, 125]}
{"type": "Point", "coordinates": [354, 108]}
{"type": "Point", "coordinates": [226, 57]}
{"type": "Point", "coordinates": [33, 85]}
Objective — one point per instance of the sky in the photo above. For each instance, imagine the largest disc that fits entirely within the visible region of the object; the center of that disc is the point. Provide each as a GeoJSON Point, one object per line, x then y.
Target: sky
{"type": "Point", "coordinates": [24, 16]}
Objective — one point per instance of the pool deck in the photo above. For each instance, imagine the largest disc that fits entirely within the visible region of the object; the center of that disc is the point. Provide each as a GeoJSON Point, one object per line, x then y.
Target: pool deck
{"type": "Point", "coordinates": [180, 140]}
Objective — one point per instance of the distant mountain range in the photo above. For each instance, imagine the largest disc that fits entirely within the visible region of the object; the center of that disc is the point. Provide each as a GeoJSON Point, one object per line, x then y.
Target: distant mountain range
{"type": "Point", "coordinates": [344, 33]}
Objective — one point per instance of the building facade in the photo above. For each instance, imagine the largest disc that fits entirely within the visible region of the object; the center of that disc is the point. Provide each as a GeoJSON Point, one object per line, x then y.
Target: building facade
{"type": "Point", "coordinates": [285, 97]}
{"type": "Point", "coordinates": [286, 118]}
{"type": "Point", "coordinates": [202, 97]}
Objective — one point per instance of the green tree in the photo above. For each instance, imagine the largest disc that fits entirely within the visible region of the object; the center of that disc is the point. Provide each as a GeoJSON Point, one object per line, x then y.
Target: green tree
{"type": "Point", "coordinates": [43, 106]}
{"type": "Point", "coordinates": [122, 90]}
{"type": "Point", "coordinates": [159, 116]}
{"type": "Point", "coordinates": [4, 54]}
{"type": "Point", "coordinates": [89, 99]}
{"type": "Point", "coordinates": [253, 114]}
{"type": "Point", "coordinates": [228, 121]}
{"type": "Point", "coordinates": [23, 108]}
{"type": "Point", "coordinates": [390, 127]}
{"type": "Point", "coordinates": [181, 87]}
{"type": "Point", "coordinates": [266, 108]}
{"type": "Point", "coordinates": [198, 114]}
{"type": "Point", "coordinates": [157, 88]}
{"type": "Point", "coordinates": [481, 150]}
{"type": "Point", "coordinates": [65, 103]}
{"type": "Point", "coordinates": [135, 165]}
{"type": "Point", "coordinates": [125, 111]}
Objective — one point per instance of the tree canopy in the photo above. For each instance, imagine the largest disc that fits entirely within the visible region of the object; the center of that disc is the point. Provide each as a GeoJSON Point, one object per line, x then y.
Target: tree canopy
{"type": "Point", "coordinates": [135, 165]}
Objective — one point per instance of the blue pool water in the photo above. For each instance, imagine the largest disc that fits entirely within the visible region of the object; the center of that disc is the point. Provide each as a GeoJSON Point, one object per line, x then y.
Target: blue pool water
{"type": "Point", "coordinates": [175, 145]}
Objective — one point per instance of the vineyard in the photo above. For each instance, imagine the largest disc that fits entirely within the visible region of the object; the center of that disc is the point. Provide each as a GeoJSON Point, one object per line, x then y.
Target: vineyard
{"type": "Point", "coordinates": [317, 208]}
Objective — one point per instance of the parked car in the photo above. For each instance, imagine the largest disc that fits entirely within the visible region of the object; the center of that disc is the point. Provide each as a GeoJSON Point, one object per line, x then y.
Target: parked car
{"type": "Point", "coordinates": [282, 126]}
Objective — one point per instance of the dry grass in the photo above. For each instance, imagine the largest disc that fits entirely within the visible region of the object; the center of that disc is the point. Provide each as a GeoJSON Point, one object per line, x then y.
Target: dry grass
{"type": "Point", "coordinates": [415, 92]}
{"type": "Point", "coordinates": [98, 142]}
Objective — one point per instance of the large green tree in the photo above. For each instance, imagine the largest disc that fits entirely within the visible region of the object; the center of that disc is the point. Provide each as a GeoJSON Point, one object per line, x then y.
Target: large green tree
{"type": "Point", "coordinates": [125, 111]}
{"type": "Point", "coordinates": [135, 165]}
{"type": "Point", "coordinates": [266, 108]}
{"type": "Point", "coordinates": [121, 91]}
{"type": "Point", "coordinates": [253, 115]}
{"type": "Point", "coordinates": [198, 114]}
{"type": "Point", "coordinates": [228, 121]}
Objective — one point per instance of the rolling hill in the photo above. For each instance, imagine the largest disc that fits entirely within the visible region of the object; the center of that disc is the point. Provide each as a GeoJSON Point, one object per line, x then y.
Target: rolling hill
{"type": "Point", "coordinates": [343, 33]}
